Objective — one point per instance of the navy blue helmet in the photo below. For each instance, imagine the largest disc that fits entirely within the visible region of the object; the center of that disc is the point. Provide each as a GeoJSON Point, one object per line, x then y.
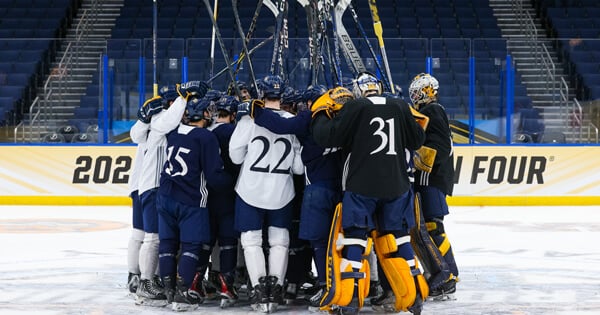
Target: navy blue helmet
{"type": "Point", "coordinates": [312, 93]}
{"type": "Point", "coordinates": [227, 103]}
{"type": "Point", "coordinates": [272, 86]}
{"type": "Point", "coordinates": [195, 109]}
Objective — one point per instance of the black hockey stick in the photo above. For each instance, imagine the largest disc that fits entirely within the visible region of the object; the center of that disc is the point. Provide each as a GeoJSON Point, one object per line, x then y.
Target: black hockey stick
{"type": "Point", "coordinates": [365, 37]}
{"type": "Point", "coordinates": [236, 15]}
{"type": "Point", "coordinates": [280, 42]}
{"type": "Point", "coordinates": [379, 33]}
{"type": "Point", "coordinates": [250, 32]}
{"type": "Point", "coordinates": [311, 21]}
{"type": "Point", "coordinates": [223, 49]}
{"type": "Point", "coordinates": [330, 65]}
{"type": "Point", "coordinates": [336, 45]}
{"type": "Point", "coordinates": [239, 61]}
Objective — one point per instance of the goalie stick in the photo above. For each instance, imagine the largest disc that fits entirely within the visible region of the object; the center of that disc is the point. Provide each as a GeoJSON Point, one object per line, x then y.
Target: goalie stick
{"type": "Point", "coordinates": [379, 33]}
{"type": "Point", "coordinates": [243, 37]}
{"type": "Point", "coordinates": [350, 52]}
{"type": "Point", "coordinates": [223, 49]}
{"type": "Point", "coordinates": [371, 50]}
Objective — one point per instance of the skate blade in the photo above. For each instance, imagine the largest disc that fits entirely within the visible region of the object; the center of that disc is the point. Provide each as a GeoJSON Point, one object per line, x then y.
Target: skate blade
{"type": "Point", "coordinates": [225, 303]}
{"type": "Point", "coordinates": [149, 302]}
{"type": "Point", "coordinates": [384, 308]}
{"type": "Point", "coordinates": [317, 309]}
{"type": "Point", "coordinates": [261, 307]}
{"type": "Point", "coordinates": [183, 307]}
{"type": "Point", "coordinates": [441, 298]}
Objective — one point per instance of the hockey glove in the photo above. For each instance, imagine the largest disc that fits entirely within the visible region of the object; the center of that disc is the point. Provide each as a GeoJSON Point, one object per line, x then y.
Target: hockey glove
{"type": "Point", "coordinates": [421, 119]}
{"type": "Point", "coordinates": [324, 104]}
{"type": "Point", "coordinates": [424, 158]}
{"type": "Point", "coordinates": [192, 88]}
{"type": "Point", "coordinates": [150, 107]}
{"type": "Point", "coordinates": [248, 108]}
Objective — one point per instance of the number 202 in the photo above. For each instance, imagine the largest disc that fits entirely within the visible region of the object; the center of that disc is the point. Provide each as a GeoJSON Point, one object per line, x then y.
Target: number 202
{"type": "Point", "coordinates": [102, 169]}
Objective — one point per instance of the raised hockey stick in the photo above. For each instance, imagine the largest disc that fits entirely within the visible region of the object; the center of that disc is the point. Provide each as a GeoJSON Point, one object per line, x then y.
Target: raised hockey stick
{"type": "Point", "coordinates": [363, 33]}
{"type": "Point", "coordinates": [236, 15]}
{"type": "Point", "coordinates": [249, 33]}
{"type": "Point", "coordinates": [350, 52]}
{"type": "Point", "coordinates": [330, 66]}
{"type": "Point", "coordinates": [212, 42]}
{"type": "Point", "coordinates": [280, 42]}
{"type": "Point", "coordinates": [379, 33]}
{"type": "Point", "coordinates": [239, 61]}
{"type": "Point", "coordinates": [313, 50]}
{"type": "Point", "coordinates": [336, 45]}
{"type": "Point", "coordinates": [223, 48]}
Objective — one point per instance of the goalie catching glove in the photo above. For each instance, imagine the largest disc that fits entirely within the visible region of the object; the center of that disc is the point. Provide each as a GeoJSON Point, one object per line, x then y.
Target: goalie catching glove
{"type": "Point", "coordinates": [192, 88]}
{"type": "Point", "coordinates": [150, 107]}
{"type": "Point", "coordinates": [331, 102]}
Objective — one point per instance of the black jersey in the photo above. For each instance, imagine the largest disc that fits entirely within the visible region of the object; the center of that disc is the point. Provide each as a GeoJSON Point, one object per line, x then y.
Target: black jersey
{"type": "Point", "coordinates": [376, 131]}
{"type": "Point", "coordinates": [438, 137]}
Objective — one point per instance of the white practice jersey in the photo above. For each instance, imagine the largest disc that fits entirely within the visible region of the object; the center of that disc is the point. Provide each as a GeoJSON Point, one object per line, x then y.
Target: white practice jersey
{"type": "Point", "coordinates": [156, 145]}
{"type": "Point", "coordinates": [268, 161]}
{"type": "Point", "coordinates": [139, 135]}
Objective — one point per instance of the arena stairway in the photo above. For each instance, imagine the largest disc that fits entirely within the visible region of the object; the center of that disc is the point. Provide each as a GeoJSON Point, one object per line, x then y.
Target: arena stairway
{"type": "Point", "coordinates": [60, 92]}
{"type": "Point", "coordinates": [555, 118]}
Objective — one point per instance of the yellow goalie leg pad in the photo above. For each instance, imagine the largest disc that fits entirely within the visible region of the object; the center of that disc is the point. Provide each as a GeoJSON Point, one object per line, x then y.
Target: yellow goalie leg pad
{"type": "Point", "coordinates": [397, 271]}
{"type": "Point", "coordinates": [340, 274]}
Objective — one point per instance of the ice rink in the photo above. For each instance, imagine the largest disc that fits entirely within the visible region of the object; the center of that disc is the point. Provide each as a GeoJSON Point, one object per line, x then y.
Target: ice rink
{"type": "Point", "coordinates": [512, 260]}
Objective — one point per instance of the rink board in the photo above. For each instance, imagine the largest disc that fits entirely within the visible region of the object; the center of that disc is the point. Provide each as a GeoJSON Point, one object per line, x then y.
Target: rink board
{"type": "Point", "coordinates": [485, 175]}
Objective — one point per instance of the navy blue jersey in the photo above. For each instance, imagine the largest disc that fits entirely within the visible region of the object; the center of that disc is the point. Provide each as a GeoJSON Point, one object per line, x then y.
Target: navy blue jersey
{"type": "Point", "coordinates": [323, 166]}
{"type": "Point", "coordinates": [223, 132]}
{"type": "Point", "coordinates": [193, 163]}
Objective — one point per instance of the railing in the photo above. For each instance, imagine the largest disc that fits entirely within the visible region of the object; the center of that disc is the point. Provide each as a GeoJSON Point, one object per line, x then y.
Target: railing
{"type": "Point", "coordinates": [563, 92]}
{"type": "Point", "coordinates": [21, 125]}
{"type": "Point", "coordinates": [577, 115]}
{"type": "Point", "coordinates": [590, 126]}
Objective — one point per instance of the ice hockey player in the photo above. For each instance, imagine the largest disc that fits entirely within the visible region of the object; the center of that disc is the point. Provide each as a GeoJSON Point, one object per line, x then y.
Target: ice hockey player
{"type": "Point", "coordinates": [221, 205]}
{"type": "Point", "coordinates": [376, 131]}
{"type": "Point", "coordinates": [139, 136]}
{"type": "Point", "coordinates": [323, 173]}
{"type": "Point", "coordinates": [265, 192]}
{"type": "Point", "coordinates": [434, 176]}
{"type": "Point", "coordinates": [150, 292]}
{"type": "Point", "coordinates": [193, 164]}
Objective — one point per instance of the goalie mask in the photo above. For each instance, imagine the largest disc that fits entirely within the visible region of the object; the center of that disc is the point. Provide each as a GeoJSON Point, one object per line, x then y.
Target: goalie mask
{"type": "Point", "coordinates": [367, 84]}
{"type": "Point", "coordinates": [272, 87]}
{"type": "Point", "coordinates": [423, 89]}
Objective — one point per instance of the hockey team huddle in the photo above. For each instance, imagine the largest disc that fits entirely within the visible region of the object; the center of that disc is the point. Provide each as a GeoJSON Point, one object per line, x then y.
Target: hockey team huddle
{"type": "Point", "coordinates": [218, 171]}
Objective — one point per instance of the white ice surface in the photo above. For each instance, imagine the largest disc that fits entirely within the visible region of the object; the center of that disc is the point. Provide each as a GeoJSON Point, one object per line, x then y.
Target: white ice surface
{"type": "Point", "coordinates": [512, 260]}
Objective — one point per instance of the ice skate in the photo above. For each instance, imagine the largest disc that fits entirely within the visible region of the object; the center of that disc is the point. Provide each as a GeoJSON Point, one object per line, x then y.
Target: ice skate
{"type": "Point", "coordinates": [211, 285]}
{"type": "Point", "coordinates": [291, 293]}
{"type": "Point", "coordinates": [350, 309]}
{"type": "Point", "coordinates": [227, 291]}
{"type": "Point", "coordinates": [133, 281]}
{"type": "Point", "coordinates": [148, 294]}
{"type": "Point", "coordinates": [169, 288]}
{"type": "Point", "coordinates": [259, 296]}
{"type": "Point", "coordinates": [385, 302]}
{"type": "Point", "coordinates": [275, 293]}
{"type": "Point", "coordinates": [315, 300]}
{"type": "Point", "coordinates": [444, 293]}
{"type": "Point", "coordinates": [185, 299]}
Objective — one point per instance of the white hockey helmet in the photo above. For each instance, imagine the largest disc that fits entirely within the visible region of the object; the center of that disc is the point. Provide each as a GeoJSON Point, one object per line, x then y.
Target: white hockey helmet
{"type": "Point", "coordinates": [423, 89]}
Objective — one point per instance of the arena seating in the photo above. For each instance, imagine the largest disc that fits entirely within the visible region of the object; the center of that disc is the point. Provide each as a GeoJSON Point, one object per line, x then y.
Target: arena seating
{"type": "Point", "coordinates": [578, 32]}
{"type": "Point", "coordinates": [28, 32]}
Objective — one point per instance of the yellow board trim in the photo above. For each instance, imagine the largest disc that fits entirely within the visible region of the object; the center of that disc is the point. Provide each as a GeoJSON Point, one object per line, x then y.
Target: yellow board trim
{"type": "Point", "coordinates": [524, 201]}
{"type": "Point", "coordinates": [66, 200]}
{"type": "Point", "coordinates": [452, 201]}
